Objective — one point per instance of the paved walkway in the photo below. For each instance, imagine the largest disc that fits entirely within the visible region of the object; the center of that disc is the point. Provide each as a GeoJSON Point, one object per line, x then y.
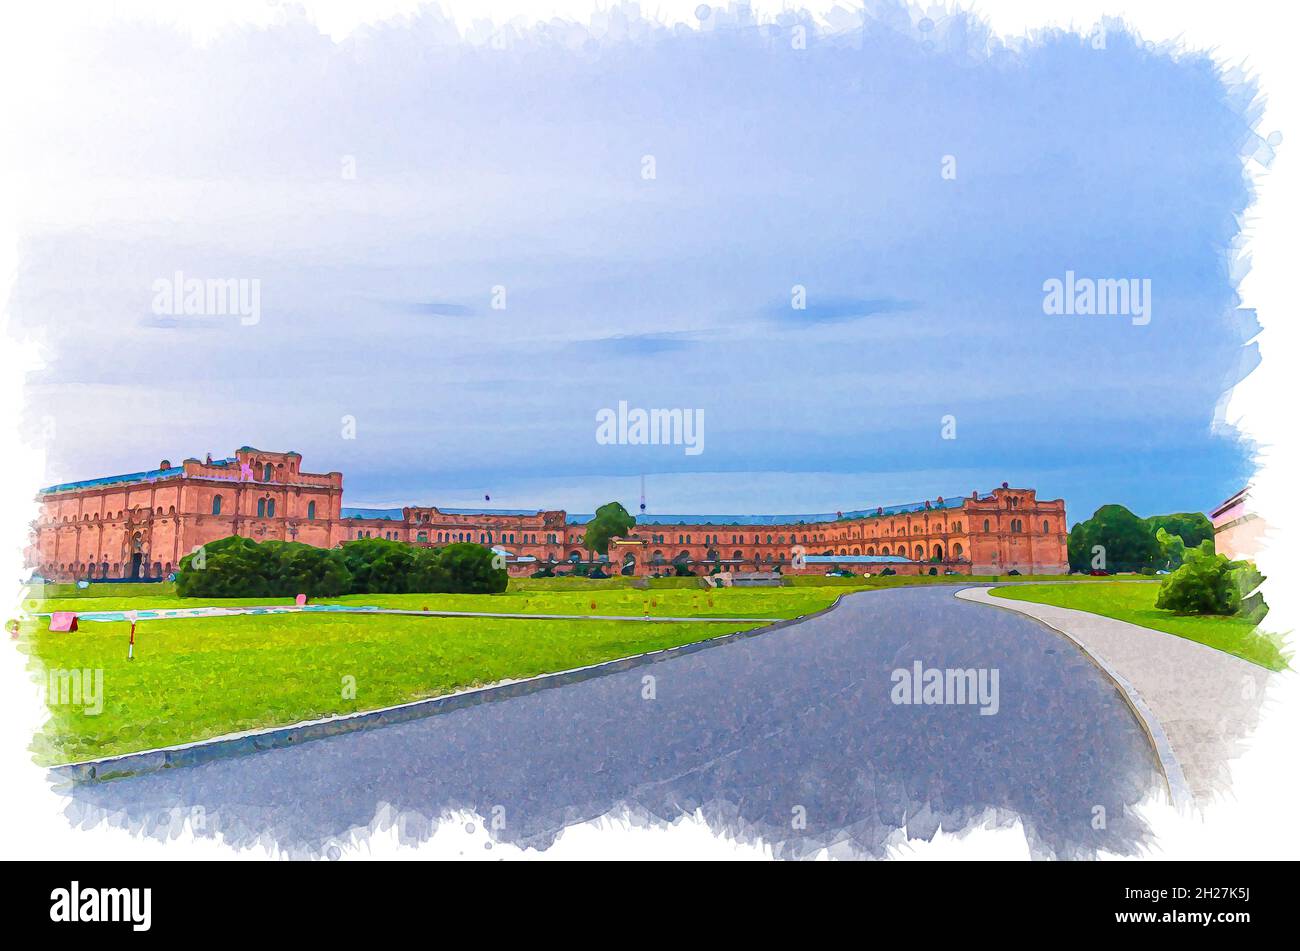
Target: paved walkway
{"type": "Point", "coordinates": [793, 737]}
{"type": "Point", "coordinates": [1203, 702]}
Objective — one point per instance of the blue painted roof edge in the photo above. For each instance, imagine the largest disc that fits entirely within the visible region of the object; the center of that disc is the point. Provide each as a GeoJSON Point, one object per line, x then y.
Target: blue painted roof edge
{"type": "Point", "coordinates": [115, 479]}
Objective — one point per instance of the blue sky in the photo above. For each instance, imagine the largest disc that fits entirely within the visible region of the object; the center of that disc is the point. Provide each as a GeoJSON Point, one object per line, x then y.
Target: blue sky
{"type": "Point", "coordinates": [522, 167]}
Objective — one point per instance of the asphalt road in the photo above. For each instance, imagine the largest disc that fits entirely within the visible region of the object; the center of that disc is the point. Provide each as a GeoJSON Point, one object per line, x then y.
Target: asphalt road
{"type": "Point", "coordinates": [790, 738]}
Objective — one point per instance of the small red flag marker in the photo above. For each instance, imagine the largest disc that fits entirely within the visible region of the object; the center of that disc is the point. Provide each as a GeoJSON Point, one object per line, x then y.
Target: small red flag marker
{"type": "Point", "coordinates": [130, 647]}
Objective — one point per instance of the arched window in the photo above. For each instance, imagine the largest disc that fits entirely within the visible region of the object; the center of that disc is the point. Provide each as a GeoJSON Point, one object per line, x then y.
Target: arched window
{"type": "Point", "coordinates": [216, 505]}
{"type": "Point", "coordinates": [266, 472]}
{"type": "Point", "coordinates": [311, 510]}
{"type": "Point", "coordinates": [261, 508]}
{"type": "Point", "coordinates": [270, 508]}
{"type": "Point", "coordinates": [1045, 527]}
{"type": "Point", "coordinates": [986, 525]}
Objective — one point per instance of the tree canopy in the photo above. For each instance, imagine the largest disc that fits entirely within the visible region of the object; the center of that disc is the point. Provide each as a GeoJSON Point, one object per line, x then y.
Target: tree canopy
{"type": "Point", "coordinates": [1126, 542]}
{"type": "Point", "coordinates": [1130, 543]}
{"type": "Point", "coordinates": [611, 520]}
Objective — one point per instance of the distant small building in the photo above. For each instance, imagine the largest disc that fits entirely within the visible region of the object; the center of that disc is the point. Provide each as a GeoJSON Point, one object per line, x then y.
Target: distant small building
{"type": "Point", "coordinates": [1238, 530]}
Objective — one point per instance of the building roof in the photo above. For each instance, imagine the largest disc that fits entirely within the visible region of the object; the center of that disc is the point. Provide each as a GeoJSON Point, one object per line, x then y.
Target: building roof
{"type": "Point", "coordinates": [147, 476]}
{"type": "Point", "coordinates": [1241, 496]}
{"type": "Point", "coordinates": [643, 519]}
{"type": "Point", "coordinates": [394, 515]}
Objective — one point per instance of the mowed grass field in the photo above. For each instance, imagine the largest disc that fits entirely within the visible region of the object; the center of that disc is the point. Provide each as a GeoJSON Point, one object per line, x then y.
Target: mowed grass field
{"type": "Point", "coordinates": [680, 597]}
{"type": "Point", "coordinates": [670, 602]}
{"type": "Point", "coordinates": [1136, 603]}
{"type": "Point", "coordinates": [198, 678]}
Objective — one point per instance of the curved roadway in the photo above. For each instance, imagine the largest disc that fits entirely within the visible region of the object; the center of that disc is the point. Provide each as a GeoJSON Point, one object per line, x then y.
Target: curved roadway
{"type": "Point", "coordinates": [757, 733]}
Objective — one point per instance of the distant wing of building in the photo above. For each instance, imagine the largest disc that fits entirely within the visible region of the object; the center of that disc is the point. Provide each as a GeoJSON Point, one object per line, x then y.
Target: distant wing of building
{"type": "Point", "coordinates": [139, 525]}
{"type": "Point", "coordinates": [1238, 529]}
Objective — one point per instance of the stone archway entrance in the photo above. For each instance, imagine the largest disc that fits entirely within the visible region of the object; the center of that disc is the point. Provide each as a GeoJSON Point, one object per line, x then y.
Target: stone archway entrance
{"type": "Point", "coordinates": [137, 556]}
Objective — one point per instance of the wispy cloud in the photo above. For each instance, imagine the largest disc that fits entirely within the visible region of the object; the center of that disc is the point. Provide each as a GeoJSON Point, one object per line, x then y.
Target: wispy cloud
{"type": "Point", "coordinates": [825, 310]}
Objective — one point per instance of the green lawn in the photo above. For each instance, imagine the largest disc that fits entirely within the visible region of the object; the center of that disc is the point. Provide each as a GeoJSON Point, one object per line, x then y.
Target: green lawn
{"type": "Point", "coordinates": [669, 602]}
{"type": "Point", "coordinates": [665, 596]}
{"type": "Point", "coordinates": [1136, 603]}
{"type": "Point", "coordinates": [193, 679]}
{"type": "Point", "coordinates": [198, 678]}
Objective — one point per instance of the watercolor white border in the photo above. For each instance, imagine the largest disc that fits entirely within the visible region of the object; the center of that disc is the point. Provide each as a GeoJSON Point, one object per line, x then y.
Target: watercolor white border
{"type": "Point", "coordinates": [1252, 824]}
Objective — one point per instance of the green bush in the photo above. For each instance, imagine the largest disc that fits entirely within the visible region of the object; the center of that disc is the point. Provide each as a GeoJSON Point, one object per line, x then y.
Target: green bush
{"type": "Point", "coordinates": [469, 570]}
{"type": "Point", "coordinates": [1208, 583]}
{"type": "Point", "coordinates": [379, 566]}
{"type": "Point", "coordinates": [238, 567]}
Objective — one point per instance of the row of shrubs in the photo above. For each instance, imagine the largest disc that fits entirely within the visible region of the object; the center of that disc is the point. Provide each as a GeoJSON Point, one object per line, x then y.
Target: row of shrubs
{"type": "Point", "coordinates": [237, 567]}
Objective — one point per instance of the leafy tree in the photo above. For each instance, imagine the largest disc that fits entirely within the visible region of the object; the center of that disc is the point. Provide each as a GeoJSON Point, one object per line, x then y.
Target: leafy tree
{"type": "Point", "coordinates": [1172, 549]}
{"type": "Point", "coordinates": [1192, 527]}
{"type": "Point", "coordinates": [611, 519]}
{"type": "Point", "coordinates": [1129, 542]}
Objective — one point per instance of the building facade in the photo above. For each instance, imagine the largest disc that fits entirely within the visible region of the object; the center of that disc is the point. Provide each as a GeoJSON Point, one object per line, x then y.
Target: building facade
{"type": "Point", "coordinates": [1238, 530]}
{"type": "Point", "coordinates": [139, 525]}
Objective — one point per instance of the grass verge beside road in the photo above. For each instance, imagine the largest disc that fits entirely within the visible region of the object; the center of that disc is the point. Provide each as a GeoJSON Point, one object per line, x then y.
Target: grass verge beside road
{"type": "Point", "coordinates": [670, 602]}
{"type": "Point", "coordinates": [1136, 603]}
{"type": "Point", "coordinates": [200, 678]}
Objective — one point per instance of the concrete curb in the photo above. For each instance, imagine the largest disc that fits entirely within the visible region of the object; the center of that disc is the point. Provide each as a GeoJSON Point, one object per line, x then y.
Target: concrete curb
{"type": "Point", "coordinates": [256, 741]}
{"type": "Point", "coordinates": [1180, 793]}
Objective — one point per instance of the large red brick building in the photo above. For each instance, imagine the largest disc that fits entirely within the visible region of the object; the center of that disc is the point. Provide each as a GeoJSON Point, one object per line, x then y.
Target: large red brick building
{"type": "Point", "coordinates": [140, 524]}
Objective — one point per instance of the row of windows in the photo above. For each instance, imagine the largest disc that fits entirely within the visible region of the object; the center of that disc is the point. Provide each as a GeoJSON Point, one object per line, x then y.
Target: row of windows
{"type": "Point", "coordinates": [103, 569]}
{"type": "Point", "coordinates": [265, 508]}
{"type": "Point", "coordinates": [1018, 526]}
